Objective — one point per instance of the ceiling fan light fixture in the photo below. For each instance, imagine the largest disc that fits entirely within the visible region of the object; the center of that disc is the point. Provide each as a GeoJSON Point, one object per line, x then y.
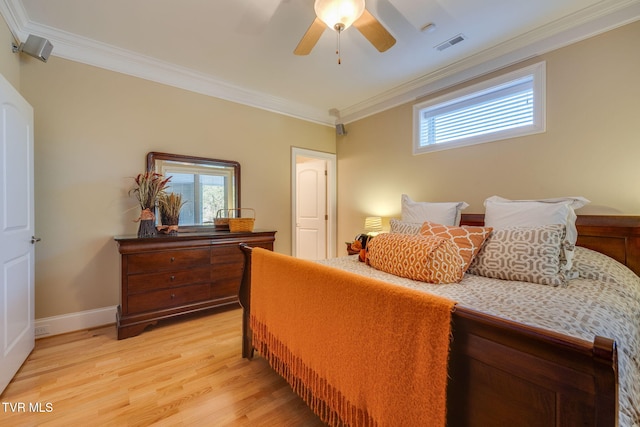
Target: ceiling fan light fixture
{"type": "Point", "coordinates": [339, 14]}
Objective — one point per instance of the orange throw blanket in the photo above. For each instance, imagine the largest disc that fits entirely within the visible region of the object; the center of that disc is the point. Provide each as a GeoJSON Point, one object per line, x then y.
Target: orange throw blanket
{"type": "Point", "coordinates": [359, 351]}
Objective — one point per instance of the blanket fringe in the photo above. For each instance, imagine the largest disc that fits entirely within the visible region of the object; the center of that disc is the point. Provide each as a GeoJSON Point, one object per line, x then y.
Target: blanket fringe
{"type": "Point", "coordinates": [324, 400]}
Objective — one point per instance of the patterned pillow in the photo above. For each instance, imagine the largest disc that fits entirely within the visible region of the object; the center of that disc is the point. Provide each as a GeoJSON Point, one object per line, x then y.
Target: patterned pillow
{"type": "Point", "coordinates": [468, 239]}
{"type": "Point", "coordinates": [526, 254]}
{"type": "Point", "coordinates": [427, 259]}
{"type": "Point", "coordinates": [404, 227]}
{"type": "Point", "coordinates": [504, 213]}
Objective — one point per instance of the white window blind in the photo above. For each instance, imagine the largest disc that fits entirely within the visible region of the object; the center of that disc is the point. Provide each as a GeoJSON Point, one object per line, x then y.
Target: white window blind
{"type": "Point", "coordinates": [501, 109]}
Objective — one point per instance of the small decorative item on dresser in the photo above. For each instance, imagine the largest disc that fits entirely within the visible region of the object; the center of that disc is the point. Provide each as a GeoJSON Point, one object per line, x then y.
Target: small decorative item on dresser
{"type": "Point", "coordinates": [149, 186]}
{"type": "Point", "coordinates": [170, 205]}
{"type": "Point", "coordinates": [241, 224]}
{"type": "Point", "coordinates": [221, 222]}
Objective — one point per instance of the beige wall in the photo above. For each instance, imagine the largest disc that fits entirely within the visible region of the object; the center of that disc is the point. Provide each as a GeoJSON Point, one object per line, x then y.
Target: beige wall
{"type": "Point", "coordinates": [93, 129]}
{"type": "Point", "coordinates": [9, 61]}
{"type": "Point", "coordinates": [591, 147]}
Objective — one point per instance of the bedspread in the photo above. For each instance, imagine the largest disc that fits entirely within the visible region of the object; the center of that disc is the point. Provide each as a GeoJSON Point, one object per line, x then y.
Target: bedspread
{"type": "Point", "coordinates": [604, 300]}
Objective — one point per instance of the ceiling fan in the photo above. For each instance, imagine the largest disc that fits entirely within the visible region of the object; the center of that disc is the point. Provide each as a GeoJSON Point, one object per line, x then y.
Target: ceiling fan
{"type": "Point", "coordinates": [340, 15]}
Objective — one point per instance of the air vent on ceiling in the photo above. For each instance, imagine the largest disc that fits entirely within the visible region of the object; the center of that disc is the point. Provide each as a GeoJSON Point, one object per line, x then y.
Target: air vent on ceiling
{"type": "Point", "coordinates": [454, 40]}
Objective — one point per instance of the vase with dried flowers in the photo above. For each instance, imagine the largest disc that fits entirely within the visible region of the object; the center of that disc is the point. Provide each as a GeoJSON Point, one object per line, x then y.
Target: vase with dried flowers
{"type": "Point", "coordinates": [170, 205]}
{"type": "Point", "coordinates": [148, 188]}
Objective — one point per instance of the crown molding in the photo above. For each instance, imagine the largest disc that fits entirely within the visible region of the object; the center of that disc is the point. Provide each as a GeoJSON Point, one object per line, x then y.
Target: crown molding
{"type": "Point", "coordinates": [588, 22]}
{"type": "Point", "coordinates": [91, 52]}
{"type": "Point", "coordinates": [581, 25]}
{"type": "Point", "coordinates": [80, 49]}
{"type": "Point", "coordinates": [15, 17]}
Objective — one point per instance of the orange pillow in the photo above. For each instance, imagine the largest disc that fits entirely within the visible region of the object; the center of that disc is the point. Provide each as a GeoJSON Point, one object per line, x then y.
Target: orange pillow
{"type": "Point", "coordinates": [468, 239]}
{"type": "Point", "coordinates": [427, 259]}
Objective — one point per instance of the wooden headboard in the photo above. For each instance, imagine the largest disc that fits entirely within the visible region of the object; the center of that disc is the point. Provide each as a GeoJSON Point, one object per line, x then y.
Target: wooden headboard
{"type": "Point", "coordinates": [617, 236]}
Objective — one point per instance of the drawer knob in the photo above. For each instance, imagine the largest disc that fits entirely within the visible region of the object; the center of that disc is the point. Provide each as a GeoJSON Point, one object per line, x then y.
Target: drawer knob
{"type": "Point", "coordinates": [173, 278]}
{"type": "Point", "coordinates": [173, 296]}
{"type": "Point", "coordinates": [173, 259]}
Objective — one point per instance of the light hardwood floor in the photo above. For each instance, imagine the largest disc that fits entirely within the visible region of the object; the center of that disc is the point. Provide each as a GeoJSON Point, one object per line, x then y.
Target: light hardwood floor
{"type": "Point", "coordinates": [180, 373]}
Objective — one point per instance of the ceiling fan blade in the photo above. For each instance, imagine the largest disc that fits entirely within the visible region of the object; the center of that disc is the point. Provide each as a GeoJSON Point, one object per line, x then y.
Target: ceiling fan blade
{"type": "Point", "coordinates": [373, 31]}
{"type": "Point", "coordinates": [310, 38]}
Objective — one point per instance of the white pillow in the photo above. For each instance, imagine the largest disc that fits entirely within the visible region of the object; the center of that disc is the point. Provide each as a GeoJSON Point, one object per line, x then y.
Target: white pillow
{"type": "Point", "coordinates": [503, 213]}
{"type": "Point", "coordinates": [445, 213]}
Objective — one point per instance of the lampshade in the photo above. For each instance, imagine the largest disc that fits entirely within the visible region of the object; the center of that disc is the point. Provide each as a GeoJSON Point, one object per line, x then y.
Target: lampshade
{"type": "Point", "coordinates": [373, 224]}
{"type": "Point", "coordinates": [341, 13]}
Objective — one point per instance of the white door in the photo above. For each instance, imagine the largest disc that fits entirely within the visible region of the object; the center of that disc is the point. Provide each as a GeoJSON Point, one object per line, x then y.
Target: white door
{"type": "Point", "coordinates": [311, 210]}
{"type": "Point", "coordinates": [16, 232]}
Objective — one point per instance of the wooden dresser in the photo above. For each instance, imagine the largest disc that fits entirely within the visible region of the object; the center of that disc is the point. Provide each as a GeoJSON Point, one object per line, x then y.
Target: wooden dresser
{"type": "Point", "coordinates": [168, 276]}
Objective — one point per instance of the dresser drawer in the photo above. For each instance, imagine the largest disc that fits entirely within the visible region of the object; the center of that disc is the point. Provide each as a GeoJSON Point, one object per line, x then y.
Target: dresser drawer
{"type": "Point", "coordinates": [227, 263]}
{"type": "Point", "coordinates": [167, 298]}
{"type": "Point", "coordinates": [167, 260]}
{"type": "Point", "coordinates": [168, 279]}
{"type": "Point", "coordinates": [225, 288]}
{"type": "Point", "coordinates": [227, 257]}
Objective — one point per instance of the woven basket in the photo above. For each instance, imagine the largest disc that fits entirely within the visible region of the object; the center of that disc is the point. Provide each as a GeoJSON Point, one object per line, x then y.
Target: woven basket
{"type": "Point", "coordinates": [220, 222]}
{"type": "Point", "coordinates": [242, 224]}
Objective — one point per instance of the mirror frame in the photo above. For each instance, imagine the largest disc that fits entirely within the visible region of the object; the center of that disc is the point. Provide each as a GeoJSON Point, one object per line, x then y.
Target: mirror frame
{"type": "Point", "coordinates": [154, 156]}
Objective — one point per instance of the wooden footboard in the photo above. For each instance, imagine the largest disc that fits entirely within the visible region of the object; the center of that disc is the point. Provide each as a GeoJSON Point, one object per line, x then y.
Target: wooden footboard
{"type": "Point", "coordinates": [502, 373]}
{"type": "Point", "coordinates": [244, 297]}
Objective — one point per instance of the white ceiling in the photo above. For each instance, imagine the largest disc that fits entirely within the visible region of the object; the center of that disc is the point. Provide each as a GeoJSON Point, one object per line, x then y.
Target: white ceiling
{"type": "Point", "coordinates": [242, 50]}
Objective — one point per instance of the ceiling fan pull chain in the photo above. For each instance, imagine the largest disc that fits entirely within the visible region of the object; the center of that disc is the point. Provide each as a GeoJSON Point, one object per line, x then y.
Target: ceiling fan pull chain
{"type": "Point", "coordinates": [338, 27]}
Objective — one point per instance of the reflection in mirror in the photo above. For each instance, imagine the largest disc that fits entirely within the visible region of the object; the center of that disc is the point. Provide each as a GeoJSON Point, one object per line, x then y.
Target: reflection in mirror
{"type": "Point", "coordinates": [207, 186]}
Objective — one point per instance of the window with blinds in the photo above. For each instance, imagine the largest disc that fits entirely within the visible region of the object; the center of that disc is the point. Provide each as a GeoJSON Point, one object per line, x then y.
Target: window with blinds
{"type": "Point", "coordinates": [505, 107]}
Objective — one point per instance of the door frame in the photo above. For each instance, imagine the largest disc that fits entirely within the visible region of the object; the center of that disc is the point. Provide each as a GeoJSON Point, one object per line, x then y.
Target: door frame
{"type": "Point", "coordinates": [332, 210]}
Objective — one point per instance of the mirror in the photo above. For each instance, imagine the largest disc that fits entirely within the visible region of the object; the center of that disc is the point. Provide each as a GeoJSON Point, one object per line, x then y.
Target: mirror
{"type": "Point", "coordinates": [207, 185]}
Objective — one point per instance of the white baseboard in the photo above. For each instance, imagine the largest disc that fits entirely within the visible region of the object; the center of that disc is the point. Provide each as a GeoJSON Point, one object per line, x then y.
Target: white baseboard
{"type": "Point", "coordinates": [55, 325]}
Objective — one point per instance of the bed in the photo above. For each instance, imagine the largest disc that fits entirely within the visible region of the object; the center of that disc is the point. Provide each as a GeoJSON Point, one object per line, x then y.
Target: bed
{"type": "Point", "coordinates": [507, 367]}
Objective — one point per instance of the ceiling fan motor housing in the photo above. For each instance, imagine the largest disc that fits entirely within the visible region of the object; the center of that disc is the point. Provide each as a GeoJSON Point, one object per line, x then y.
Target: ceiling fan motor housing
{"type": "Point", "coordinates": [339, 14]}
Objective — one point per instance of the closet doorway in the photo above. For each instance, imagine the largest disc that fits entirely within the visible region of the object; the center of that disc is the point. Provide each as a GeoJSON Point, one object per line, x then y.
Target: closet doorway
{"type": "Point", "coordinates": [313, 196]}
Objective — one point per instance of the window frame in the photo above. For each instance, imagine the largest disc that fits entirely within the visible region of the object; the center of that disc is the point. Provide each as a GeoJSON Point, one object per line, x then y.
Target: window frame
{"type": "Point", "coordinates": [538, 73]}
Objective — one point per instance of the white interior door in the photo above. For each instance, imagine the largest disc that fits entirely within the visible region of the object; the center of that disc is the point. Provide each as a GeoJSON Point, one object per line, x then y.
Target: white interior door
{"type": "Point", "coordinates": [16, 232]}
{"type": "Point", "coordinates": [311, 210]}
